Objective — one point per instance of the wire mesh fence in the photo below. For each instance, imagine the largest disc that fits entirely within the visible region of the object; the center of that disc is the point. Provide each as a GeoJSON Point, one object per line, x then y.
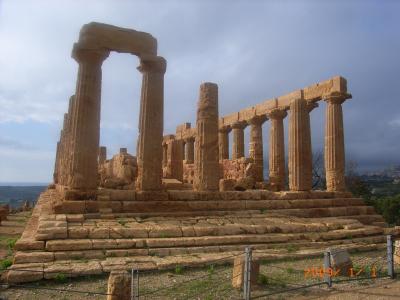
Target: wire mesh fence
{"type": "Point", "coordinates": [213, 279]}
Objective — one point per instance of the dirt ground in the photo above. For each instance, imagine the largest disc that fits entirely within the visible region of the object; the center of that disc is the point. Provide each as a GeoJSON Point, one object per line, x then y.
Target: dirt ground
{"type": "Point", "coordinates": [212, 282]}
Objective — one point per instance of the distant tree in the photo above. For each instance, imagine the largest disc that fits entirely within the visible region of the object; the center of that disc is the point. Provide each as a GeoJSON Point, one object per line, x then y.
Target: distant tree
{"type": "Point", "coordinates": [318, 170]}
{"type": "Point", "coordinates": [354, 182]}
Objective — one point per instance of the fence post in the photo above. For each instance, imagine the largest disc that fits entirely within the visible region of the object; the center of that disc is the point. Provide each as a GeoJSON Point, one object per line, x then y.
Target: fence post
{"type": "Point", "coordinates": [132, 286]}
{"type": "Point", "coordinates": [327, 268]}
{"type": "Point", "coordinates": [390, 256]}
{"type": "Point", "coordinates": [247, 274]}
{"type": "Point", "coordinates": [137, 284]}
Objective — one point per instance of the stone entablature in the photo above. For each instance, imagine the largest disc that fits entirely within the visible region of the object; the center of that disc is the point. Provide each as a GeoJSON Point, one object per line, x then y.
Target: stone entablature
{"type": "Point", "coordinates": [333, 91]}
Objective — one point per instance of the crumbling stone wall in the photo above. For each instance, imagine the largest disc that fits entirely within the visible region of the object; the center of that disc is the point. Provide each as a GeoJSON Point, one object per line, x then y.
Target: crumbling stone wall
{"type": "Point", "coordinates": [119, 172]}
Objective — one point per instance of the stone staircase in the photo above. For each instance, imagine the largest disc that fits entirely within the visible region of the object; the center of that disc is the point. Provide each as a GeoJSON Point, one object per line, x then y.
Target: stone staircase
{"type": "Point", "coordinates": [179, 227]}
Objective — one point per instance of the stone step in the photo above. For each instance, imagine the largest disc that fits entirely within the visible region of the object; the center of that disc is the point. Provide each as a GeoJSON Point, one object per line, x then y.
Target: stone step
{"type": "Point", "coordinates": [48, 256]}
{"type": "Point", "coordinates": [192, 205]}
{"type": "Point", "coordinates": [367, 219]}
{"type": "Point", "coordinates": [77, 227]}
{"type": "Point", "coordinates": [28, 272]}
{"type": "Point", "coordinates": [138, 243]}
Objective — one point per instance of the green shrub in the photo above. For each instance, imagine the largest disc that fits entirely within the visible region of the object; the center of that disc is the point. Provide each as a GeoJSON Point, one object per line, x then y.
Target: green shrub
{"type": "Point", "coordinates": [61, 278]}
{"type": "Point", "coordinates": [262, 279]}
{"type": "Point", "coordinates": [178, 270]}
{"type": "Point", "coordinates": [11, 243]}
{"type": "Point", "coordinates": [5, 263]}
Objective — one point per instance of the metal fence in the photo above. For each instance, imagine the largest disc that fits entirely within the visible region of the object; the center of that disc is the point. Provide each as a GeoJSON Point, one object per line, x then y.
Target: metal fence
{"type": "Point", "coordinates": [213, 279]}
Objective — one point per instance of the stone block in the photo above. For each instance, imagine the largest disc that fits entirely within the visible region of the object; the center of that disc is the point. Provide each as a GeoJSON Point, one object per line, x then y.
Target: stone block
{"type": "Point", "coordinates": [75, 218]}
{"type": "Point", "coordinates": [227, 184]}
{"type": "Point", "coordinates": [16, 274]}
{"type": "Point", "coordinates": [340, 261]}
{"type": "Point", "coordinates": [238, 272]}
{"type": "Point", "coordinates": [29, 244]}
{"type": "Point", "coordinates": [73, 207]}
{"type": "Point", "coordinates": [33, 257]}
{"type": "Point", "coordinates": [151, 196]}
{"type": "Point", "coordinates": [66, 245]}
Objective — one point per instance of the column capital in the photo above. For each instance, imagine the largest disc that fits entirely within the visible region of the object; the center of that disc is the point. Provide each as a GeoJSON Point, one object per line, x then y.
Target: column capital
{"type": "Point", "coordinates": [89, 55]}
{"type": "Point", "coordinates": [189, 139]}
{"type": "Point", "coordinates": [258, 120]}
{"type": "Point", "coordinates": [239, 125]}
{"type": "Point", "coordinates": [336, 97]}
{"type": "Point", "coordinates": [152, 64]}
{"type": "Point", "coordinates": [225, 129]}
{"type": "Point", "coordinates": [277, 113]}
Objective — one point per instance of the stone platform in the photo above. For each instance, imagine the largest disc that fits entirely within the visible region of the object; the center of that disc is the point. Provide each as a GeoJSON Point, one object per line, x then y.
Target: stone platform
{"type": "Point", "coordinates": [130, 229]}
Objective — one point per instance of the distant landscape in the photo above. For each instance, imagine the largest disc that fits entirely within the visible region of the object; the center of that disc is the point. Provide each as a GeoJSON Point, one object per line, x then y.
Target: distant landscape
{"type": "Point", "coordinates": [16, 194]}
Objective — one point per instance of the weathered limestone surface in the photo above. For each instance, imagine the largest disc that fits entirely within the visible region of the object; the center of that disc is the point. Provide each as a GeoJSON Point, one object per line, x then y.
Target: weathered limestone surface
{"type": "Point", "coordinates": [151, 123]}
{"type": "Point", "coordinates": [334, 142]}
{"type": "Point", "coordinates": [239, 270]}
{"type": "Point", "coordinates": [85, 132]}
{"type": "Point", "coordinates": [235, 168]}
{"type": "Point", "coordinates": [300, 156]}
{"type": "Point", "coordinates": [119, 172]}
{"type": "Point", "coordinates": [206, 153]}
{"type": "Point", "coordinates": [189, 150]}
{"type": "Point", "coordinates": [238, 140]}
{"type": "Point", "coordinates": [103, 36]}
{"type": "Point", "coordinates": [119, 285]}
{"type": "Point", "coordinates": [277, 150]}
{"type": "Point", "coordinates": [256, 146]}
{"type": "Point", "coordinates": [223, 142]}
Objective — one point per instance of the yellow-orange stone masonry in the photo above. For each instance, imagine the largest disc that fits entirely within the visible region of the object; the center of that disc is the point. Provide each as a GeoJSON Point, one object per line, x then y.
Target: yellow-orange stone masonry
{"type": "Point", "coordinates": [206, 148]}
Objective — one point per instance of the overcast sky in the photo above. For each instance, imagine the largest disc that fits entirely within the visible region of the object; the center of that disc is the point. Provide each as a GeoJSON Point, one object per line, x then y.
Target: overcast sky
{"type": "Point", "coordinates": [253, 50]}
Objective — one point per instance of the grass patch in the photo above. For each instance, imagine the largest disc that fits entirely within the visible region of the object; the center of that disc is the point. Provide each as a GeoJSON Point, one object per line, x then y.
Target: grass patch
{"type": "Point", "coordinates": [122, 222]}
{"type": "Point", "coordinates": [178, 270]}
{"type": "Point", "coordinates": [5, 263]}
{"type": "Point", "coordinates": [292, 248]}
{"type": "Point", "coordinates": [290, 270]}
{"type": "Point", "coordinates": [61, 278]}
{"type": "Point", "coordinates": [11, 243]}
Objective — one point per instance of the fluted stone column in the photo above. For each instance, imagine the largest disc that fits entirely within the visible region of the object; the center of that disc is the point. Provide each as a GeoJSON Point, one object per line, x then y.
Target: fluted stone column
{"type": "Point", "coordinates": [102, 154]}
{"type": "Point", "coordinates": [57, 164]}
{"type": "Point", "coordinates": [206, 151]}
{"type": "Point", "coordinates": [238, 139]}
{"type": "Point", "coordinates": [189, 150]}
{"type": "Point", "coordinates": [175, 159]}
{"type": "Point", "coordinates": [300, 156]}
{"type": "Point", "coordinates": [223, 142]}
{"type": "Point", "coordinates": [151, 122]}
{"type": "Point", "coordinates": [165, 154]}
{"type": "Point", "coordinates": [86, 119]}
{"type": "Point", "coordinates": [256, 146]}
{"type": "Point", "coordinates": [334, 143]}
{"type": "Point", "coordinates": [277, 150]}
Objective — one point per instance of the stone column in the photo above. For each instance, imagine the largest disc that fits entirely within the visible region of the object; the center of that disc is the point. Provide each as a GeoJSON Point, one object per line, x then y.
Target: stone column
{"type": "Point", "coordinates": [206, 150]}
{"type": "Point", "coordinates": [238, 139]}
{"type": "Point", "coordinates": [223, 142]}
{"type": "Point", "coordinates": [165, 154]}
{"type": "Point", "coordinates": [57, 164]}
{"type": "Point", "coordinates": [176, 159]}
{"type": "Point", "coordinates": [151, 123]}
{"type": "Point", "coordinates": [334, 143]}
{"type": "Point", "coordinates": [189, 150]}
{"type": "Point", "coordinates": [277, 150]}
{"type": "Point", "coordinates": [102, 154]}
{"type": "Point", "coordinates": [256, 146]}
{"type": "Point", "coordinates": [86, 119]}
{"type": "Point", "coordinates": [300, 156]}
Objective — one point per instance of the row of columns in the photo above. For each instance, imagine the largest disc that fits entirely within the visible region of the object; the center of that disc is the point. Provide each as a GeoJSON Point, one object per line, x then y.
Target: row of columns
{"type": "Point", "coordinates": [76, 159]}
{"type": "Point", "coordinates": [300, 150]}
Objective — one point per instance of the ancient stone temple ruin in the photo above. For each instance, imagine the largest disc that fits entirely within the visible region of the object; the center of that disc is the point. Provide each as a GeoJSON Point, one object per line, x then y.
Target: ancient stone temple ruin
{"type": "Point", "coordinates": [182, 198]}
